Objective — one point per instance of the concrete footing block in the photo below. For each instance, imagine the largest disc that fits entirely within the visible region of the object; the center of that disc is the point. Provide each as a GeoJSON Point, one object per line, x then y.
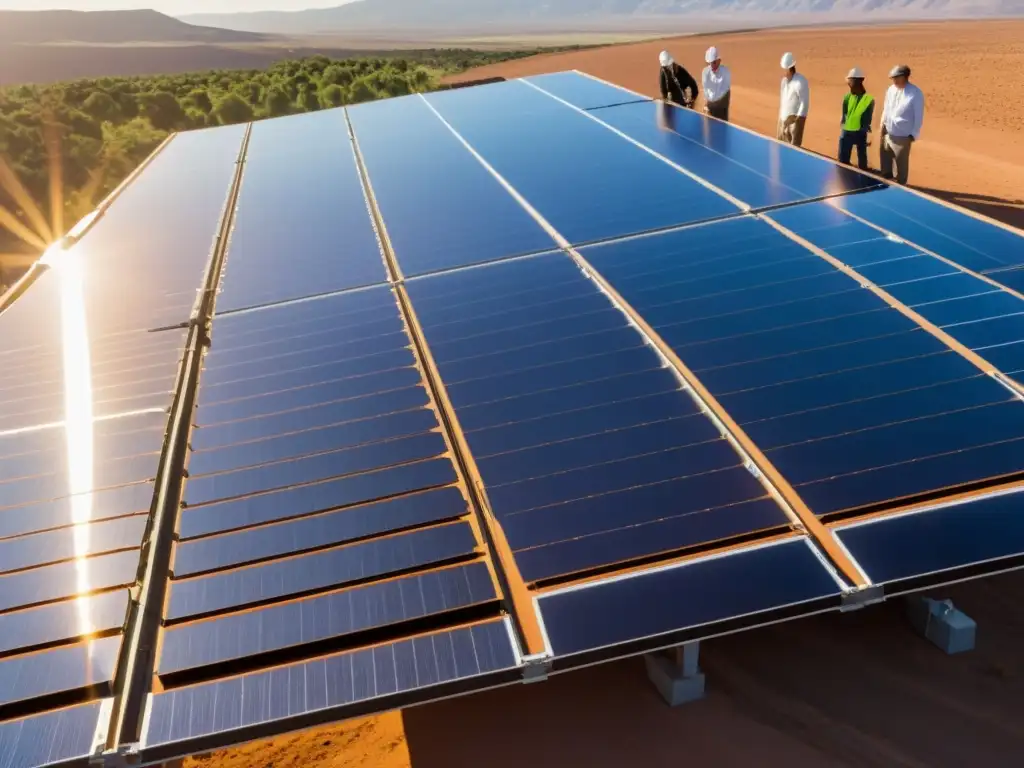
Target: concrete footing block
{"type": "Point", "coordinates": [942, 624]}
{"type": "Point", "coordinates": [676, 674]}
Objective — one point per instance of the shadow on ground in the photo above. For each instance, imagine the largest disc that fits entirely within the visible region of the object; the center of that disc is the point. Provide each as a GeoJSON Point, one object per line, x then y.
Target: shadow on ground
{"type": "Point", "coordinates": [858, 689]}
{"type": "Point", "coordinates": [1007, 211]}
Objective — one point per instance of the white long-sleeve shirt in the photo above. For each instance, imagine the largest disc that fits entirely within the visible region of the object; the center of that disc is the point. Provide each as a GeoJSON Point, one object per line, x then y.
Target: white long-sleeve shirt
{"type": "Point", "coordinates": [903, 111]}
{"type": "Point", "coordinates": [716, 84]}
{"type": "Point", "coordinates": [795, 97]}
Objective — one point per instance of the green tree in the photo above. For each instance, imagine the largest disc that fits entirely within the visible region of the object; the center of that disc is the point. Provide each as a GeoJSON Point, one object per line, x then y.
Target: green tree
{"type": "Point", "coordinates": [101, 105]}
{"type": "Point", "coordinates": [333, 96]}
{"type": "Point", "coordinates": [200, 99]}
{"type": "Point", "coordinates": [337, 75]}
{"type": "Point", "coordinates": [277, 102]}
{"type": "Point", "coordinates": [232, 109]}
{"type": "Point", "coordinates": [163, 110]}
{"type": "Point", "coordinates": [308, 100]}
{"type": "Point", "coordinates": [362, 90]}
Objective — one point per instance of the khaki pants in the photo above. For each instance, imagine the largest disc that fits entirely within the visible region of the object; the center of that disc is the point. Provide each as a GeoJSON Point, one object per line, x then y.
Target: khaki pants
{"type": "Point", "coordinates": [895, 150]}
{"type": "Point", "coordinates": [791, 130]}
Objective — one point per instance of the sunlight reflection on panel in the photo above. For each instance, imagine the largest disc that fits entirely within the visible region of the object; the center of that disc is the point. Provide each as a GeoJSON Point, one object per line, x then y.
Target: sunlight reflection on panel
{"type": "Point", "coordinates": [78, 422]}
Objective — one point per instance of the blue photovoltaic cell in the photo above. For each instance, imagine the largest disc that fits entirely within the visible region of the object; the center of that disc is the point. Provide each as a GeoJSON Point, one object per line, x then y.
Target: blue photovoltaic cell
{"type": "Point", "coordinates": [80, 541]}
{"type": "Point", "coordinates": [60, 622]}
{"type": "Point", "coordinates": [584, 92]}
{"type": "Point", "coordinates": [1009, 358]}
{"type": "Point", "coordinates": [576, 429]}
{"type": "Point", "coordinates": [314, 440]}
{"type": "Point", "coordinates": [316, 532]}
{"type": "Point", "coordinates": [309, 469]}
{"type": "Point", "coordinates": [321, 618]}
{"type": "Point", "coordinates": [335, 567]}
{"type": "Point", "coordinates": [56, 582]}
{"type": "Point", "coordinates": [106, 474]}
{"type": "Point", "coordinates": [440, 206]}
{"type": "Point", "coordinates": [742, 583]}
{"type": "Point", "coordinates": [59, 670]}
{"type": "Point", "coordinates": [753, 169]}
{"type": "Point", "coordinates": [333, 682]}
{"type": "Point", "coordinates": [588, 182]}
{"type": "Point", "coordinates": [302, 226]}
{"type": "Point", "coordinates": [1011, 278]}
{"type": "Point", "coordinates": [318, 497]}
{"type": "Point", "coordinates": [936, 540]}
{"type": "Point", "coordinates": [108, 504]}
{"type": "Point", "coordinates": [839, 389]}
{"type": "Point", "coordinates": [969, 241]}
{"type": "Point", "coordinates": [52, 737]}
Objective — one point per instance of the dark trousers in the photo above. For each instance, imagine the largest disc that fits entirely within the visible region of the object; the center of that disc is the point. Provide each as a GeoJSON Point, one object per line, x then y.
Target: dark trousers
{"type": "Point", "coordinates": [720, 108]}
{"type": "Point", "coordinates": [850, 139]}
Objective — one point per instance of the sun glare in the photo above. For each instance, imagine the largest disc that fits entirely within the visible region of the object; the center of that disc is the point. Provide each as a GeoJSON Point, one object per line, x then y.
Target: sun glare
{"type": "Point", "coordinates": [78, 415]}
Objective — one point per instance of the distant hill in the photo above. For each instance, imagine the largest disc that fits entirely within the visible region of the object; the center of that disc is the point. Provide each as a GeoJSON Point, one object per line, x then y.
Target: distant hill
{"type": "Point", "coordinates": [434, 14]}
{"type": "Point", "coordinates": [109, 27]}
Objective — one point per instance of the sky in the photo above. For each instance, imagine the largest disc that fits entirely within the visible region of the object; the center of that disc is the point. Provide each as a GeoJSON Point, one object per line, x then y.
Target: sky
{"type": "Point", "coordinates": [170, 7]}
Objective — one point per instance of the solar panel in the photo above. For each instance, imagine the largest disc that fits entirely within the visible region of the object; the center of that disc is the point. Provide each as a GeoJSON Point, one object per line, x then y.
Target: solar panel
{"type": "Point", "coordinates": [549, 374]}
{"type": "Point", "coordinates": [302, 227]}
{"type": "Point", "coordinates": [441, 208]}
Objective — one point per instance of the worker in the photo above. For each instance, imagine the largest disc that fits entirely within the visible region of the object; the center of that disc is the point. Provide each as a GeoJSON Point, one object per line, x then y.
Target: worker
{"type": "Point", "coordinates": [677, 85]}
{"type": "Point", "coordinates": [902, 116]}
{"type": "Point", "coordinates": [794, 100]}
{"type": "Point", "coordinates": [858, 109]}
{"type": "Point", "coordinates": [717, 84]}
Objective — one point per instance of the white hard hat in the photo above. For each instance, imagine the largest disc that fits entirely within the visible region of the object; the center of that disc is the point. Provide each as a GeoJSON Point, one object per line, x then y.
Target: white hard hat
{"type": "Point", "coordinates": [665, 58]}
{"type": "Point", "coordinates": [855, 74]}
{"type": "Point", "coordinates": [711, 54]}
{"type": "Point", "coordinates": [788, 60]}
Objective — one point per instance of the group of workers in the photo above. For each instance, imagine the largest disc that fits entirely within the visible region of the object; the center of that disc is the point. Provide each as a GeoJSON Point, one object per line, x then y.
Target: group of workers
{"type": "Point", "coordinates": [901, 119]}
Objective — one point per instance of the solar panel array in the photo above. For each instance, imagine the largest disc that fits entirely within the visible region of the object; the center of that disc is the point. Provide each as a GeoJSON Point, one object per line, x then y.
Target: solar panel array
{"type": "Point", "coordinates": [347, 411]}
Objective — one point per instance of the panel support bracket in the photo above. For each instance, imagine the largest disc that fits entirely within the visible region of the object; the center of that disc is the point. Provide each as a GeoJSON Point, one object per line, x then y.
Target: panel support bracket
{"type": "Point", "coordinates": [536, 667]}
{"type": "Point", "coordinates": [122, 756]}
{"type": "Point", "coordinates": [939, 622]}
{"type": "Point", "coordinates": [676, 673]}
{"type": "Point", "coordinates": [862, 597]}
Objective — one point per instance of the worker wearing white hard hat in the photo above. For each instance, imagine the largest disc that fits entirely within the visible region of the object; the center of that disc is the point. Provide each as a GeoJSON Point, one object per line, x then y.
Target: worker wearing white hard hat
{"type": "Point", "coordinates": [902, 117]}
{"type": "Point", "coordinates": [676, 84]}
{"type": "Point", "coordinates": [717, 83]}
{"type": "Point", "coordinates": [794, 103]}
{"type": "Point", "coordinates": [858, 110]}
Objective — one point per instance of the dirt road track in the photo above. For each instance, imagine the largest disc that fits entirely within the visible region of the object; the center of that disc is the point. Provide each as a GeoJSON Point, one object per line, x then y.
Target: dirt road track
{"type": "Point", "coordinates": [972, 148]}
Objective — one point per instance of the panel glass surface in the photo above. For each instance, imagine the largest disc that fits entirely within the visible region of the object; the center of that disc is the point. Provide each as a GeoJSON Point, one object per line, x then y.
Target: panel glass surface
{"type": "Point", "coordinates": [60, 670]}
{"type": "Point", "coordinates": [420, 667]}
{"type": "Point", "coordinates": [936, 540]}
{"type": "Point", "coordinates": [590, 451]}
{"type": "Point", "coordinates": [82, 540]}
{"type": "Point", "coordinates": [970, 241]}
{"type": "Point", "coordinates": [319, 531]}
{"type": "Point", "coordinates": [335, 567]}
{"type": "Point", "coordinates": [440, 206]}
{"type": "Point", "coordinates": [63, 621]}
{"type": "Point", "coordinates": [336, 615]}
{"type": "Point", "coordinates": [757, 171]}
{"type": "Point", "coordinates": [739, 584]}
{"type": "Point", "coordinates": [588, 182]}
{"type": "Point", "coordinates": [52, 737]}
{"type": "Point", "coordinates": [584, 92]}
{"type": "Point", "coordinates": [105, 505]}
{"type": "Point", "coordinates": [62, 581]}
{"type": "Point", "coordinates": [842, 392]}
{"type": "Point", "coordinates": [302, 226]}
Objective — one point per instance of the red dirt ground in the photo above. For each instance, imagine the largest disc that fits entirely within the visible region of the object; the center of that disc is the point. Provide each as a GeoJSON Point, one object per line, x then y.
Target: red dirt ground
{"type": "Point", "coordinates": [972, 146]}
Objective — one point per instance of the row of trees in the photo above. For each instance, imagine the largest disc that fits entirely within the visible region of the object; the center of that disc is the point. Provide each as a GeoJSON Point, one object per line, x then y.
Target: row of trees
{"type": "Point", "coordinates": [100, 129]}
